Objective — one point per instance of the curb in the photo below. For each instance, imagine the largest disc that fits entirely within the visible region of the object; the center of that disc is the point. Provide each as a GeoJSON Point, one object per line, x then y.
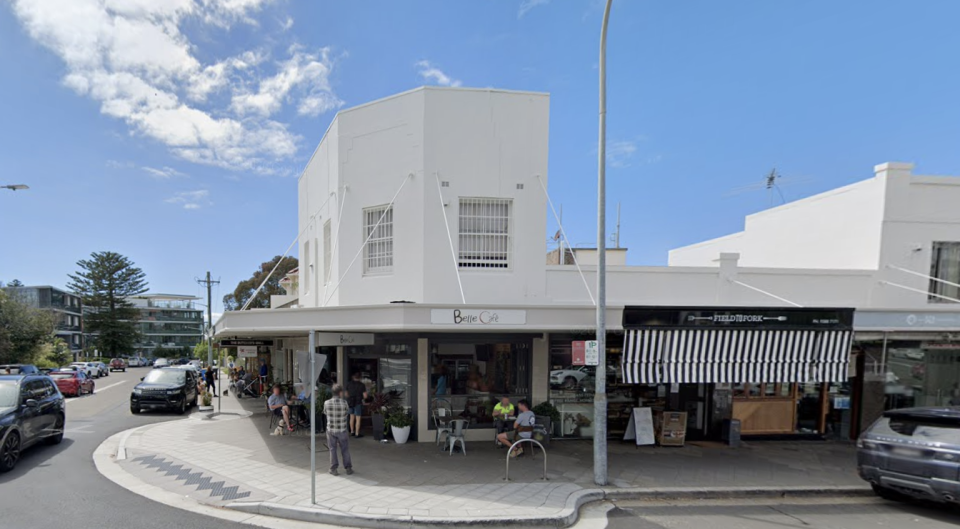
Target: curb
{"type": "Point", "coordinates": [567, 517]}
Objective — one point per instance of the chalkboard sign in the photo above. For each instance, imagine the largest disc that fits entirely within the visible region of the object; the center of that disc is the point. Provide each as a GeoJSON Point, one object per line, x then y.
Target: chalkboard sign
{"type": "Point", "coordinates": [640, 427]}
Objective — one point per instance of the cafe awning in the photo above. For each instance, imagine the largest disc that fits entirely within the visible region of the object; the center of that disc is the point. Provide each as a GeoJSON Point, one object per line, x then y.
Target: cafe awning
{"type": "Point", "coordinates": [733, 345]}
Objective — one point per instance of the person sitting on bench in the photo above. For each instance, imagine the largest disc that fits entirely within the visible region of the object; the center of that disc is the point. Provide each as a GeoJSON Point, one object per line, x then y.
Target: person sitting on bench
{"type": "Point", "coordinates": [522, 427]}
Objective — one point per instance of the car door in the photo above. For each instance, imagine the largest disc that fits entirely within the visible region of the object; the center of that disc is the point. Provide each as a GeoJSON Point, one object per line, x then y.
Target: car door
{"type": "Point", "coordinates": [30, 418]}
{"type": "Point", "coordinates": [49, 406]}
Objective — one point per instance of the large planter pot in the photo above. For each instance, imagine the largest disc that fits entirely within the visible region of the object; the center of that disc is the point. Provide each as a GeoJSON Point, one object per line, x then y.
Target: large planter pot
{"type": "Point", "coordinates": [400, 435]}
{"type": "Point", "coordinates": [377, 420]}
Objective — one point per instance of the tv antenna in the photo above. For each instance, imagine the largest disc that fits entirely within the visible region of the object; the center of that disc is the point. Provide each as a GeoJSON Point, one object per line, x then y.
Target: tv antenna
{"type": "Point", "coordinates": [772, 182]}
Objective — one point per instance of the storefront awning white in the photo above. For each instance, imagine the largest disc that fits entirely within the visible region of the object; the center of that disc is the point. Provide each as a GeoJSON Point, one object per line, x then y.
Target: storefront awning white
{"type": "Point", "coordinates": [715, 346]}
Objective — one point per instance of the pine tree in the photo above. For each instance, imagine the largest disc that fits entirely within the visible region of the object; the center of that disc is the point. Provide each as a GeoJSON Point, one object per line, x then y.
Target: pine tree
{"type": "Point", "coordinates": [106, 281]}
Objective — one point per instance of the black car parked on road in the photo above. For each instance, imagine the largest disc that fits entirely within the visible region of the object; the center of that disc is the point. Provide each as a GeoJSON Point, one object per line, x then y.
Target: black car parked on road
{"type": "Point", "coordinates": [165, 388]}
{"type": "Point", "coordinates": [913, 452]}
{"type": "Point", "coordinates": [31, 410]}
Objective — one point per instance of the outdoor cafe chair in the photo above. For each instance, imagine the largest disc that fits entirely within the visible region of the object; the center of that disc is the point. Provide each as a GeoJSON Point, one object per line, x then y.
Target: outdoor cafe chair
{"type": "Point", "coordinates": [458, 429]}
{"type": "Point", "coordinates": [441, 420]}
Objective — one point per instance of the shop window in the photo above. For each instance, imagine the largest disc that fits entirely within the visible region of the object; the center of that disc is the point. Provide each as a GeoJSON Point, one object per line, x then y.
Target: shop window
{"type": "Point", "coordinates": [572, 389]}
{"type": "Point", "coordinates": [484, 237]}
{"type": "Point", "coordinates": [378, 232]}
{"type": "Point", "coordinates": [470, 379]}
{"type": "Point", "coordinates": [945, 265]}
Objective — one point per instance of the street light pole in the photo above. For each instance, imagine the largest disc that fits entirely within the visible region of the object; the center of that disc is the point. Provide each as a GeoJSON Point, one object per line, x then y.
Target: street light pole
{"type": "Point", "coordinates": [600, 391]}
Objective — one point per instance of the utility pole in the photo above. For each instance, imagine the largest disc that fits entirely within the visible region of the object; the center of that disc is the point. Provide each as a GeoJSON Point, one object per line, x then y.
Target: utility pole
{"type": "Point", "coordinates": [600, 391]}
{"type": "Point", "coordinates": [209, 284]}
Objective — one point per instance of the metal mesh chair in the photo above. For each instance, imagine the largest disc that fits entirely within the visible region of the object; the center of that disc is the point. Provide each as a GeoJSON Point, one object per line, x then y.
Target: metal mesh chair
{"type": "Point", "coordinates": [458, 429]}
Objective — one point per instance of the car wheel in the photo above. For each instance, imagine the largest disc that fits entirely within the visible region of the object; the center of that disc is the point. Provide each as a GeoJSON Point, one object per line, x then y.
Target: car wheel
{"type": "Point", "coordinates": [183, 406]}
{"type": "Point", "coordinates": [886, 493]}
{"type": "Point", "coordinates": [570, 382]}
{"type": "Point", "coordinates": [135, 409]}
{"type": "Point", "coordinates": [92, 387]}
{"type": "Point", "coordinates": [56, 439]}
{"type": "Point", "coordinates": [196, 400]}
{"type": "Point", "coordinates": [10, 452]}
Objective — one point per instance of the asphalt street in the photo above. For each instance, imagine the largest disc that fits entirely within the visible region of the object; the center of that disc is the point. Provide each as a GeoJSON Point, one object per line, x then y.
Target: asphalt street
{"type": "Point", "coordinates": [58, 486]}
{"type": "Point", "coordinates": [807, 513]}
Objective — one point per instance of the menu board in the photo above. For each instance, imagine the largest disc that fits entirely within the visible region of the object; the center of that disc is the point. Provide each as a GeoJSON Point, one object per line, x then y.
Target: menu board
{"type": "Point", "coordinates": [640, 427]}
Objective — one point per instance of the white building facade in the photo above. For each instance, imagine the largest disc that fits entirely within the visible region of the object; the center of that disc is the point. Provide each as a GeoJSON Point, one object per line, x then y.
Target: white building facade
{"type": "Point", "coordinates": [422, 222]}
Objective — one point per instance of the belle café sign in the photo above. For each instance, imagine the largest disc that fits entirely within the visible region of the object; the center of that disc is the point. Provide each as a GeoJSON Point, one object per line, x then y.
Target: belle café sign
{"type": "Point", "coordinates": [478, 317]}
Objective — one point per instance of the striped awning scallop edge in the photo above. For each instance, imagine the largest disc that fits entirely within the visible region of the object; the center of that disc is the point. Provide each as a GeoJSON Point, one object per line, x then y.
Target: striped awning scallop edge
{"type": "Point", "coordinates": [657, 356]}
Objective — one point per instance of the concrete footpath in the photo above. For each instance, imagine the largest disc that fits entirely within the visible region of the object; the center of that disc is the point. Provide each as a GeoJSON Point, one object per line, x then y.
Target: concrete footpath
{"type": "Point", "coordinates": [230, 465]}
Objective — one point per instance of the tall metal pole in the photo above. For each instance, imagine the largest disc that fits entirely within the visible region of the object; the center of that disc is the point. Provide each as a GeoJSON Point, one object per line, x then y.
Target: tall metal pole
{"type": "Point", "coordinates": [600, 395]}
{"type": "Point", "coordinates": [209, 322]}
{"type": "Point", "coordinates": [312, 345]}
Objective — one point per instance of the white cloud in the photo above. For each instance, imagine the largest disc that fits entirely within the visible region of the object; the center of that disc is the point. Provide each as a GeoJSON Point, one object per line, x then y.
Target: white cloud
{"type": "Point", "coordinates": [132, 57]}
{"type": "Point", "coordinates": [527, 5]}
{"type": "Point", "coordinates": [191, 199]}
{"type": "Point", "coordinates": [304, 74]}
{"type": "Point", "coordinates": [163, 173]}
{"type": "Point", "coordinates": [431, 73]}
{"type": "Point", "coordinates": [620, 153]}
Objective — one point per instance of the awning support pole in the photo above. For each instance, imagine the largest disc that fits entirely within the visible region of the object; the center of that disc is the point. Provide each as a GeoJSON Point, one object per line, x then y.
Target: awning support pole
{"type": "Point", "coordinates": [911, 289]}
{"type": "Point", "coordinates": [309, 222]}
{"type": "Point", "coordinates": [453, 253]}
{"type": "Point", "coordinates": [372, 231]}
{"type": "Point", "coordinates": [563, 234]}
{"type": "Point", "coordinates": [925, 276]}
{"type": "Point", "coordinates": [765, 293]}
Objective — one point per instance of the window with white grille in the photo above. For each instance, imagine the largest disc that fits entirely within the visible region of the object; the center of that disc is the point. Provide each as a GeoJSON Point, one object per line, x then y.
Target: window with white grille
{"type": "Point", "coordinates": [485, 233]}
{"type": "Point", "coordinates": [944, 265]}
{"type": "Point", "coordinates": [326, 252]}
{"type": "Point", "coordinates": [378, 253]}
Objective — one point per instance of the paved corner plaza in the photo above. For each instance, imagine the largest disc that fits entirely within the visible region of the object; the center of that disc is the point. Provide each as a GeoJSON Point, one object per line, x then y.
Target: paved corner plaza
{"type": "Point", "coordinates": [232, 461]}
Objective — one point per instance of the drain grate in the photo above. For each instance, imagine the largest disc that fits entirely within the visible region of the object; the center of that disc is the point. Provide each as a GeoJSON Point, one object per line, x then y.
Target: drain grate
{"type": "Point", "coordinates": [191, 478]}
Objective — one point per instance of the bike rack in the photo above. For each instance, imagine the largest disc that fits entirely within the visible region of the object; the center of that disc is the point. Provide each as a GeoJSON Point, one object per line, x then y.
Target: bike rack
{"type": "Point", "coordinates": [506, 476]}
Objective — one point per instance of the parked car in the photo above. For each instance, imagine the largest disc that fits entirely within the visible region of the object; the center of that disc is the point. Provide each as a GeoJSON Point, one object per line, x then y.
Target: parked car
{"type": "Point", "coordinates": [168, 388]}
{"type": "Point", "coordinates": [18, 369]}
{"type": "Point", "coordinates": [118, 364]}
{"type": "Point", "coordinates": [136, 361]}
{"type": "Point", "coordinates": [161, 362]}
{"type": "Point", "coordinates": [73, 383]}
{"type": "Point", "coordinates": [196, 363]}
{"type": "Point", "coordinates": [913, 452]}
{"type": "Point", "coordinates": [103, 369]}
{"type": "Point", "coordinates": [31, 410]}
{"type": "Point", "coordinates": [86, 367]}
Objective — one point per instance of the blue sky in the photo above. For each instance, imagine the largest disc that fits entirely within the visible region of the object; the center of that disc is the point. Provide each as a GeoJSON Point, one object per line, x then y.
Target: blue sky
{"type": "Point", "coordinates": [173, 132]}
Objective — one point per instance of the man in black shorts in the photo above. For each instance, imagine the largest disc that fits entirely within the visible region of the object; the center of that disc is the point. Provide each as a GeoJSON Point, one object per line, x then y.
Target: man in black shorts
{"type": "Point", "coordinates": [356, 394]}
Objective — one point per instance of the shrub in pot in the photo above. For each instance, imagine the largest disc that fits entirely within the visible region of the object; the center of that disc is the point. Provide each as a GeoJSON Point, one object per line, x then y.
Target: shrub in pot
{"type": "Point", "coordinates": [400, 423]}
{"type": "Point", "coordinates": [379, 405]}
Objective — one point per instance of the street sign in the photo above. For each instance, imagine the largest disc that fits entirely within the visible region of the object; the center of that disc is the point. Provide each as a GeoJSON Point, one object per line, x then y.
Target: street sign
{"type": "Point", "coordinates": [591, 353]}
{"type": "Point", "coordinates": [579, 353]}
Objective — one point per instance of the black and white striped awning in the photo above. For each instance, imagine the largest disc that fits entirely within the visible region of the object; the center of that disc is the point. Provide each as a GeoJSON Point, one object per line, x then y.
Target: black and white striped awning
{"type": "Point", "coordinates": [711, 355]}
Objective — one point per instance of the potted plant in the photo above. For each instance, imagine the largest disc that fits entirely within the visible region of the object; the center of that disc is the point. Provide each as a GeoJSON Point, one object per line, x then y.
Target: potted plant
{"type": "Point", "coordinates": [400, 422]}
{"type": "Point", "coordinates": [584, 425]}
{"type": "Point", "coordinates": [547, 414]}
{"type": "Point", "coordinates": [379, 403]}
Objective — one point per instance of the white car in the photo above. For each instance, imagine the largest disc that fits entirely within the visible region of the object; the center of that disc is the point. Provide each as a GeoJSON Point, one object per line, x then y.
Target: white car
{"type": "Point", "coordinates": [88, 368]}
{"type": "Point", "coordinates": [196, 363]}
{"type": "Point", "coordinates": [570, 377]}
{"type": "Point", "coordinates": [161, 362]}
{"type": "Point", "coordinates": [134, 361]}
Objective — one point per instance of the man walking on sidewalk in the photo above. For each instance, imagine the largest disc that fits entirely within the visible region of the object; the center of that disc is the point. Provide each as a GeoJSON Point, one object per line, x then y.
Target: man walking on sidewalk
{"type": "Point", "coordinates": [338, 435]}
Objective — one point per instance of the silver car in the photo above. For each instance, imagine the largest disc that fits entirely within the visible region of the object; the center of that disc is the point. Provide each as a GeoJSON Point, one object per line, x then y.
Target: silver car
{"type": "Point", "coordinates": [913, 452]}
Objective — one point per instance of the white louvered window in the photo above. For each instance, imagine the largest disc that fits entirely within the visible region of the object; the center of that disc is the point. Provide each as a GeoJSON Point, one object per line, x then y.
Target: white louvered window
{"type": "Point", "coordinates": [484, 241]}
{"type": "Point", "coordinates": [378, 253]}
{"type": "Point", "coordinates": [944, 265]}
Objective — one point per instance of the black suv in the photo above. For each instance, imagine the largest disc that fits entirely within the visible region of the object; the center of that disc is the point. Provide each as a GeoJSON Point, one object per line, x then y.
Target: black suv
{"type": "Point", "coordinates": [169, 388]}
{"type": "Point", "coordinates": [31, 410]}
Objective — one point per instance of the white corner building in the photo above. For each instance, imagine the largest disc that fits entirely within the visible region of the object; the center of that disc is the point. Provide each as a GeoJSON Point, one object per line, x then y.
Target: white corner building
{"type": "Point", "coordinates": [423, 266]}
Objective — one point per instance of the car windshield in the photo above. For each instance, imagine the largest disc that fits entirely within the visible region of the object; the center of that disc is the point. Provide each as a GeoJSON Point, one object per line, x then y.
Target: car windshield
{"type": "Point", "coordinates": [918, 429]}
{"type": "Point", "coordinates": [9, 393]}
{"type": "Point", "coordinates": [62, 375]}
{"type": "Point", "coordinates": [163, 376]}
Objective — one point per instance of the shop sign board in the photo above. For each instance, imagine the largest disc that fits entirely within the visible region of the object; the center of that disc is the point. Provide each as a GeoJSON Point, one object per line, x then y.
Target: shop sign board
{"type": "Point", "coordinates": [478, 317]}
{"type": "Point", "coordinates": [640, 428]}
{"type": "Point", "coordinates": [333, 339]}
{"type": "Point", "coordinates": [236, 343]}
{"type": "Point", "coordinates": [247, 351]}
{"type": "Point", "coordinates": [738, 317]}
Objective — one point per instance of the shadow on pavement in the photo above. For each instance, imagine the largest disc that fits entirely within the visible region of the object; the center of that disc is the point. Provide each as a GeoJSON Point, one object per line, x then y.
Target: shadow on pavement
{"type": "Point", "coordinates": [35, 456]}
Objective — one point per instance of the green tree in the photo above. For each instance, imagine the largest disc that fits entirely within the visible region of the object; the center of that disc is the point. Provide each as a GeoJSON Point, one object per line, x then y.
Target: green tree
{"type": "Point", "coordinates": [105, 282]}
{"type": "Point", "coordinates": [245, 288]}
{"type": "Point", "coordinates": [23, 330]}
{"type": "Point", "coordinates": [54, 353]}
{"type": "Point", "coordinates": [15, 283]}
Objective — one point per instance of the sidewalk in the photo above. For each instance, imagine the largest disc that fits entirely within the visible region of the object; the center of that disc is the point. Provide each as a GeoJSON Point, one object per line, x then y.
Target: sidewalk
{"type": "Point", "coordinates": [231, 461]}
